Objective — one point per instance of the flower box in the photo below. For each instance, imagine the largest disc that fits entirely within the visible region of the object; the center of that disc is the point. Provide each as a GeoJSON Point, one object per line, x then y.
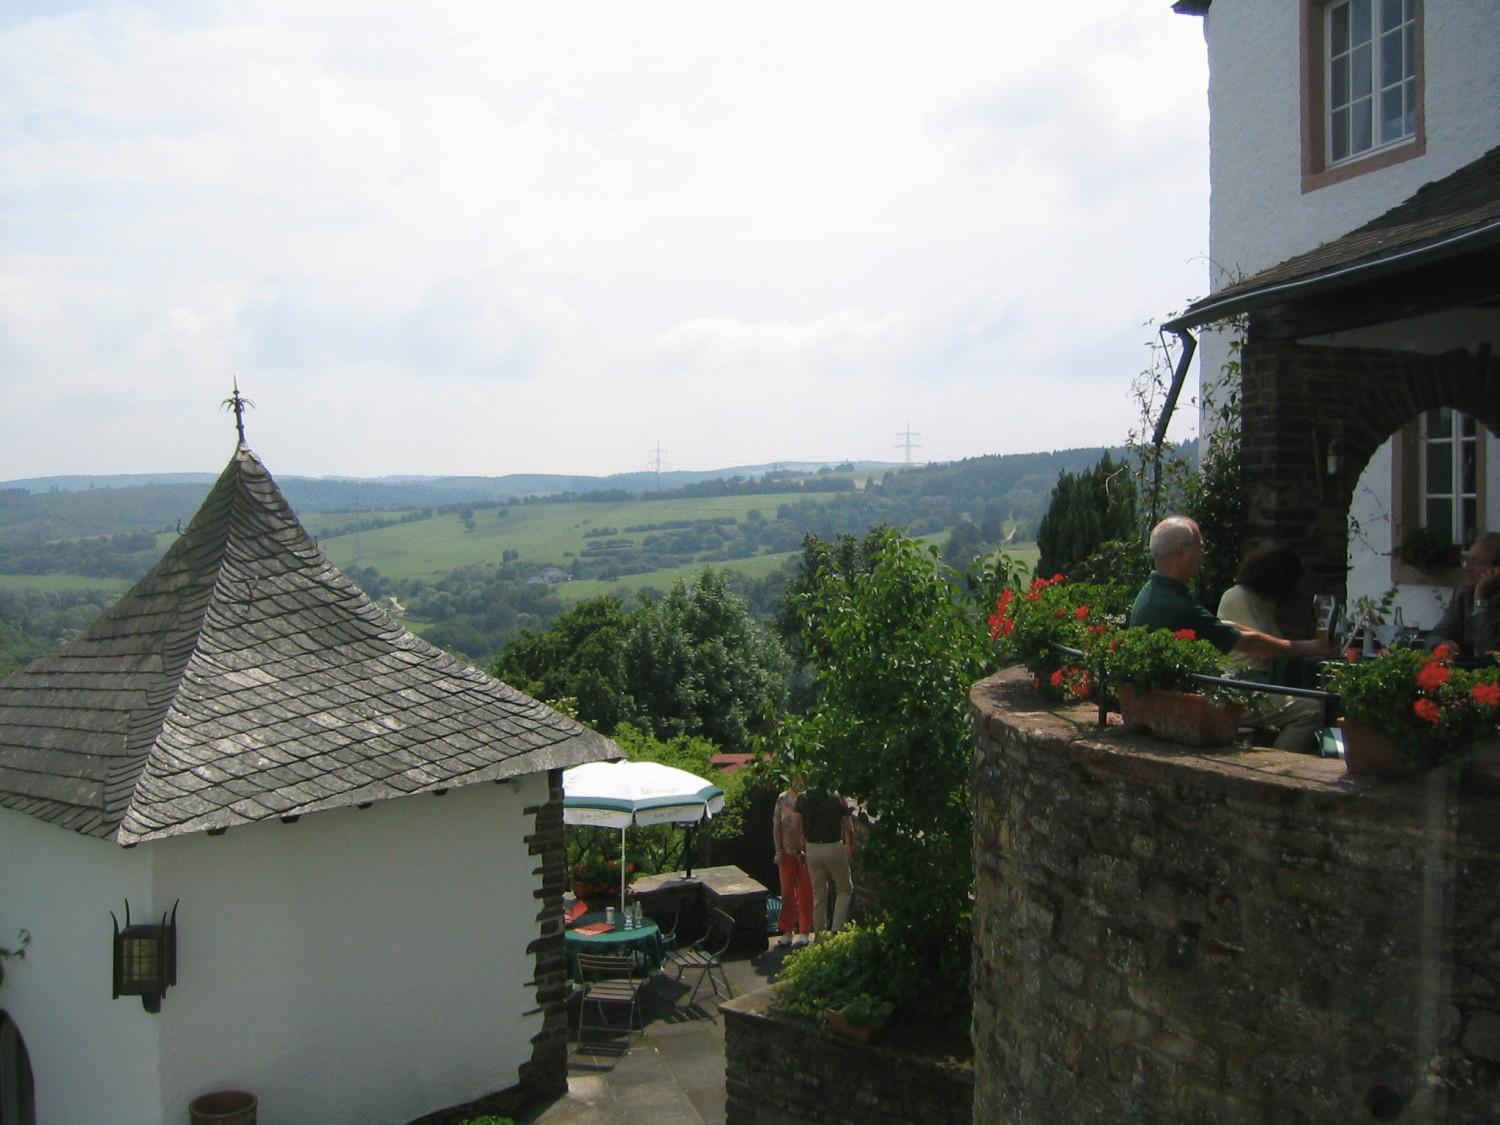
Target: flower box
{"type": "Point", "coordinates": [1369, 752]}
{"type": "Point", "coordinates": [1179, 716]}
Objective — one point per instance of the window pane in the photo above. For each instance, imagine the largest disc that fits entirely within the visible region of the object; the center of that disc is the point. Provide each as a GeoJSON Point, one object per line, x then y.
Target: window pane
{"type": "Point", "coordinates": [1408, 57]}
{"type": "Point", "coordinates": [1438, 423]}
{"type": "Point", "coordinates": [1391, 14]}
{"type": "Point", "coordinates": [1338, 85]}
{"type": "Point", "coordinates": [1440, 516]}
{"type": "Point", "coordinates": [1390, 59]}
{"type": "Point", "coordinates": [1465, 424]}
{"type": "Point", "coordinates": [1338, 29]}
{"type": "Point", "coordinates": [1468, 474]}
{"type": "Point", "coordinates": [1338, 135]}
{"type": "Point", "coordinates": [1359, 21]}
{"type": "Point", "coordinates": [1391, 116]}
{"type": "Point", "coordinates": [1470, 518]}
{"type": "Point", "coordinates": [1410, 124]}
{"type": "Point", "coordinates": [1363, 125]}
{"type": "Point", "coordinates": [1439, 468]}
{"type": "Point", "coordinates": [1359, 76]}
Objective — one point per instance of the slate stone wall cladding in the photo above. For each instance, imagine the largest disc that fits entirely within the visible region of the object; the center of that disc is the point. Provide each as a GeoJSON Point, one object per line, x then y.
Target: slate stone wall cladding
{"type": "Point", "coordinates": [781, 1070]}
{"type": "Point", "coordinates": [1295, 399]}
{"type": "Point", "coordinates": [1170, 936]}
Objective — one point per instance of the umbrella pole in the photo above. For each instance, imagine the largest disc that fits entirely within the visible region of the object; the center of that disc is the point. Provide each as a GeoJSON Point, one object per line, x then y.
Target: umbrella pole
{"type": "Point", "coordinates": [687, 850]}
{"type": "Point", "coordinates": [622, 876]}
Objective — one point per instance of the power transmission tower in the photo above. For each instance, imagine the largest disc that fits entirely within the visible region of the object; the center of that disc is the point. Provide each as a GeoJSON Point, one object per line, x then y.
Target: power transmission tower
{"type": "Point", "coordinates": [908, 442]}
{"type": "Point", "coordinates": [658, 462]}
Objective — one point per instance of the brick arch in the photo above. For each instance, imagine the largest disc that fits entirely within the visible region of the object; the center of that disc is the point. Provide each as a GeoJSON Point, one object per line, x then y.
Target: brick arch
{"type": "Point", "coordinates": [1297, 399]}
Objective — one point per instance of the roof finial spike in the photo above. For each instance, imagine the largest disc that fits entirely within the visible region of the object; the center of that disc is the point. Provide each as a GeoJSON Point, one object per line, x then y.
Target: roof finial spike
{"type": "Point", "coordinates": [237, 402]}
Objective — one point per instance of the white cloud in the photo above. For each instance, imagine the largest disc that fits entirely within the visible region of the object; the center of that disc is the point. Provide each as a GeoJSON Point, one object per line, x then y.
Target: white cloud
{"type": "Point", "coordinates": [494, 238]}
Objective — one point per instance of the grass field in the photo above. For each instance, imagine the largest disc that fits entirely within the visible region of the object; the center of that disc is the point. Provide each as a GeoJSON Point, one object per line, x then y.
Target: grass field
{"type": "Point", "coordinates": [541, 533]}
{"type": "Point", "coordinates": [52, 583]}
{"type": "Point", "coordinates": [756, 567]}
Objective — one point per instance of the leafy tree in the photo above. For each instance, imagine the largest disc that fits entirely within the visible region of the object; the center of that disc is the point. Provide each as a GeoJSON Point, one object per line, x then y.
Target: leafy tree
{"type": "Point", "coordinates": [897, 651]}
{"type": "Point", "coordinates": [580, 657]}
{"type": "Point", "coordinates": [1087, 510]}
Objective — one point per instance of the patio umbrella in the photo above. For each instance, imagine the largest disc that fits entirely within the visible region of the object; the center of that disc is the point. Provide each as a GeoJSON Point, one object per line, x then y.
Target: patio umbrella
{"type": "Point", "coordinates": [619, 794]}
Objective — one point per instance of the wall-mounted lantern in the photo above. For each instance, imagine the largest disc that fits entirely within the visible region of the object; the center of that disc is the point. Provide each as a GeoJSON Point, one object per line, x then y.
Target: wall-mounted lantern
{"type": "Point", "coordinates": [145, 958]}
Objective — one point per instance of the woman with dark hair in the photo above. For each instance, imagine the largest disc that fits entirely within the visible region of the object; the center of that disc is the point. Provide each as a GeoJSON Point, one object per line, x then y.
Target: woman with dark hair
{"type": "Point", "coordinates": [1266, 577]}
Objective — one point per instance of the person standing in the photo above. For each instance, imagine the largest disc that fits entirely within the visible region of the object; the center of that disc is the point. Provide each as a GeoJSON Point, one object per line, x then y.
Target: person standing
{"type": "Point", "coordinates": [1472, 619]}
{"type": "Point", "coordinates": [796, 922]}
{"type": "Point", "coordinates": [829, 832]}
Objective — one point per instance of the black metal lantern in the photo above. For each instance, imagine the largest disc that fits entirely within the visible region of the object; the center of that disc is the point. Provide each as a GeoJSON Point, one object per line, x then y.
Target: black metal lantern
{"type": "Point", "coordinates": [145, 958]}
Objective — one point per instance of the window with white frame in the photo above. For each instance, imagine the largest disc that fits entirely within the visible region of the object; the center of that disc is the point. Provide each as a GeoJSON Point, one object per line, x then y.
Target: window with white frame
{"type": "Point", "coordinates": [1450, 474]}
{"type": "Point", "coordinates": [1370, 76]}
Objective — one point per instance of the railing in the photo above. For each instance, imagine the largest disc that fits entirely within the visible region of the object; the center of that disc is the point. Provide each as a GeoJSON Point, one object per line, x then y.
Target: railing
{"type": "Point", "coordinates": [1332, 704]}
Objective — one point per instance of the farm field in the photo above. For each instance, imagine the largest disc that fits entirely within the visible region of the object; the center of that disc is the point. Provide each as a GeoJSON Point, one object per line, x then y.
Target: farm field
{"type": "Point", "coordinates": [540, 533]}
{"type": "Point", "coordinates": [54, 583]}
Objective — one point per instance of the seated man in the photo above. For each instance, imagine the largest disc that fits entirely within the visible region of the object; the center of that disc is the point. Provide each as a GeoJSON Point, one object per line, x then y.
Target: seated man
{"type": "Point", "coordinates": [1472, 619]}
{"type": "Point", "coordinates": [1164, 603]}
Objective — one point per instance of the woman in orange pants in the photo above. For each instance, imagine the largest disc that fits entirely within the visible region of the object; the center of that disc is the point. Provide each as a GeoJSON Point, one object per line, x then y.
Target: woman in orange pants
{"type": "Point", "coordinates": [791, 864]}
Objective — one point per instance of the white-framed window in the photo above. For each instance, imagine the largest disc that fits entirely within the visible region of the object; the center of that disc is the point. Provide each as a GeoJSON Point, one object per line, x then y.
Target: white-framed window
{"type": "Point", "coordinates": [1370, 75]}
{"type": "Point", "coordinates": [1450, 473]}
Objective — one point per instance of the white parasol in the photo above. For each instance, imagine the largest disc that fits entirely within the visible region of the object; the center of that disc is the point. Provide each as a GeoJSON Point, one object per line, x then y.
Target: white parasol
{"type": "Point", "coordinates": [619, 794]}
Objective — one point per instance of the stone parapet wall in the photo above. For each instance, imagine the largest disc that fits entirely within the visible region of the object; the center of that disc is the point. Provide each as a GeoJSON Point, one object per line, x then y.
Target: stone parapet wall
{"type": "Point", "coordinates": [782, 1070]}
{"type": "Point", "coordinates": [1166, 935]}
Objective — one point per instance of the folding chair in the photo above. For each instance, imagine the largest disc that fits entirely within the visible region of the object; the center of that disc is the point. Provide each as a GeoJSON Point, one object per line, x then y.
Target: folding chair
{"type": "Point", "coordinates": [705, 955]}
{"type": "Point", "coordinates": [609, 980]}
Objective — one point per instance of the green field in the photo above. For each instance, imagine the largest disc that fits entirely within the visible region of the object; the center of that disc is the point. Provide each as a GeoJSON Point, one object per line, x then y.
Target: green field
{"type": "Point", "coordinates": [541, 533]}
{"type": "Point", "coordinates": [757, 566]}
{"type": "Point", "coordinates": [52, 583]}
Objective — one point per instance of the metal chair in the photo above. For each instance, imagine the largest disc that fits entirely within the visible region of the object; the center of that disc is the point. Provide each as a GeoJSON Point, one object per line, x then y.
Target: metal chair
{"type": "Point", "coordinates": [705, 955]}
{"type": "Point", "coordinates": [609, 980]}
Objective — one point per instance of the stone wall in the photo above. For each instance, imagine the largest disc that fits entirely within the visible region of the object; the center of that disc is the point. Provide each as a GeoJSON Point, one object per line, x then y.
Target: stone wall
{"type": "Point", "coordinates": [782, 1070]}
{"type": "Point", "coordinates": [1166, 935]}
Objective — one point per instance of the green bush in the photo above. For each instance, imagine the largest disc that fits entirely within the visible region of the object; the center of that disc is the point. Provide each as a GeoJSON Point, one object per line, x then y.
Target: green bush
{"type": "Point", "coordinates": [833, 972]}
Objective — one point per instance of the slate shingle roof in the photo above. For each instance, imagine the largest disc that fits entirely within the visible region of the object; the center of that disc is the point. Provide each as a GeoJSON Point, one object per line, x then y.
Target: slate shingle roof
{"type": "Point", "coordinates": [246, 678]}
{"type": "Point", "coordinates": [1458, 214]}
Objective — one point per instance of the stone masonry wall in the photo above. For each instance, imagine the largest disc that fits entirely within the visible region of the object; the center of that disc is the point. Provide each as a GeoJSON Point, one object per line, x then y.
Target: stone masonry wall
{"type": "Point", "coordinates": [782, 1070]}
{"type": "Point", "coordinates": [1165, 935]}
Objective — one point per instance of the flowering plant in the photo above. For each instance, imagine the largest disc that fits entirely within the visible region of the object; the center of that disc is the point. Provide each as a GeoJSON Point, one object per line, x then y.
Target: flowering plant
{"type": "Point", "coordinates": [1431, 710]}
{"type": "Point", "coordinates": [1158, 658]}
{"type": "Point", "coordinates": [598, 874]}
{"type": "Point", "coordinates": [1025, 626]}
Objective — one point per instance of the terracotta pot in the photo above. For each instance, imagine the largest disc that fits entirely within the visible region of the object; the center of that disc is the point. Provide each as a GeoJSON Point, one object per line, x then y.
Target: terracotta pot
{"type": "Point", "coordinates": [841, 1026]}
{"type": "Point", "coordinates": [1369, 752]}
{"type": "Point", "coordinates": [588, 892]}
{"type": "Point", "coordinates": [1180, 716]}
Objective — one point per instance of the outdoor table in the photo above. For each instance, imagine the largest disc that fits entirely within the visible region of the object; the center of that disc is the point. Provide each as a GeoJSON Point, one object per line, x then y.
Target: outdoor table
{"type": "Point", "coordinates": [643, 943]}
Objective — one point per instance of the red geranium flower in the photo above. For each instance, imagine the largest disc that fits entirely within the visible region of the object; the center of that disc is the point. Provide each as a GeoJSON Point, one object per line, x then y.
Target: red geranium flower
{"type": "Point", "coordinates": [1486, 694]}
{"type": "Point", "coordinates": [1433, 676]}
{"type": "Point", "coordinates": [1445, 651]}
{"type": "Point", "coordinates": [1427, 710]}
{"type": "Point", "coordinates": [1185, 635]}
{"type": "Point", "coordinates": [1098, 630]}
{"type": "Point", "coordinates": [1057, 678]}
{"type": "Point", "coordinates": [1081, 612]}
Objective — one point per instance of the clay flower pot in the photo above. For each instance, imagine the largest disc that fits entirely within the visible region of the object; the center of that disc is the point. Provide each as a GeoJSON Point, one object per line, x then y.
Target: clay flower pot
{"type": "Point", "coordinates": [840, 1026]}
{"type": "Point", "coordinates": [1179, 716]}
{"type": "Point", "coordinates": [1369, 752]}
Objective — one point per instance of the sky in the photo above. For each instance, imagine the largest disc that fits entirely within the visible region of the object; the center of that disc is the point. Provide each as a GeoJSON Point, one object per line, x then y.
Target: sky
{"type": "Point", "coordinates": [491, 237]}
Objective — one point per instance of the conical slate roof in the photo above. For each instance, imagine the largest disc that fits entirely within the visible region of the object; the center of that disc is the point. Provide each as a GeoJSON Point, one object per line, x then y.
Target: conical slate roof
{"type": "Point", "coordinates": [246, 678]}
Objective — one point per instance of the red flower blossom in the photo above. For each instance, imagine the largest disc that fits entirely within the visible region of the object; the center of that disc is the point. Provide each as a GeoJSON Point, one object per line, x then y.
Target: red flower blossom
{"type": "Point", "coordinates": [1445, 651]}
{"type": "Point", "coordinates": [1185, 635]}
{"type": "Point", "coordinates": [1008, 626]}
{"type": "Point", "coordinates": [1427, 710]}
{"type": "Point", "coordinates": [1433, 676]}
{"type": "Point", "coordinates": [1487, 695]}
{"type": "Point", "coordinates": [1081, 612]}
{"type": "Point", "coordinates": [1060, 611]}
{"type": "Point", "coordinates": [1098, 630]}
{"type": "Point", "coordinates": [1081, 686]}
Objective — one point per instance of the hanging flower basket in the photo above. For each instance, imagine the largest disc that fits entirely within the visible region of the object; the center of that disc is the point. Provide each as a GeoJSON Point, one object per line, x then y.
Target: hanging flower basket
{"type": "Point", "coordinates": [1179, 716]}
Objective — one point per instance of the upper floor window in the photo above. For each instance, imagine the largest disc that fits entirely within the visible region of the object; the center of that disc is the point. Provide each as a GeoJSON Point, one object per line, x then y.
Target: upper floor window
{"type": "Point", "coordinates": [1362, 87]}
{"type": "Point", "coordinates": [1371, 75]}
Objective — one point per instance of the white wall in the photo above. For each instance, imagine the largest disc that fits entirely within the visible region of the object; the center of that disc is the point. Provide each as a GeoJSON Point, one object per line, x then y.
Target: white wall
{"type": "Point", "coordinates": [356, 966]}
{"type": "Point", "coordinates": [1258, 213]}
{"type": "Point", "coordinates": [92, 1058]}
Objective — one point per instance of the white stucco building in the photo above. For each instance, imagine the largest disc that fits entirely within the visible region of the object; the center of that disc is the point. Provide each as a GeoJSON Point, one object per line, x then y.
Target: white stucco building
{"type": "Point", "coordinates": [362, 836]}
{"type": "Point", "coordinates": [1354, 225]}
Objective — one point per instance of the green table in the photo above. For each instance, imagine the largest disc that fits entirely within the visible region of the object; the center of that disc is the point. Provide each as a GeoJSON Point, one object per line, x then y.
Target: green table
{"type": "Point", "coordinates": [643, 942]}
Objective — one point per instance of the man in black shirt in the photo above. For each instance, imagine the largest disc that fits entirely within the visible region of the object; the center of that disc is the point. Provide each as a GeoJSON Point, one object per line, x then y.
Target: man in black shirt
{"type": "Point", "coordinates": [829, 833]}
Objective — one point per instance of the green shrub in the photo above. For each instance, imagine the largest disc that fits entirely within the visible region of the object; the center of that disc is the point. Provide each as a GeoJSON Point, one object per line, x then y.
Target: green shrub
{"type": "Point", "coordinates": [833, 973]}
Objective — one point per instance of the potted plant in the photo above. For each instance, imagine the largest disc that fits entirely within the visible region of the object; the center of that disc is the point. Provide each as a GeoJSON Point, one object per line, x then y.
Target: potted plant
{"type": "Point", "coordinates": [1151, 673]}
{"type": "Point", "coordinates": [861, 1018]}
{"type": "Point", "coordinates": [1428, 550]}
{"type": "Point", "coordinates": [1412, 710]}
{"type": "Point", "coordinates": [1053, 611]}
{"type": "Point", "coordinates": [596, 877]}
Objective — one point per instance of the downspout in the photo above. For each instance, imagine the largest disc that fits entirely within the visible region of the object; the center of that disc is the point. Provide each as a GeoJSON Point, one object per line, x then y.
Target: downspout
{"type": "Point", "coordinates": [1179, 375]}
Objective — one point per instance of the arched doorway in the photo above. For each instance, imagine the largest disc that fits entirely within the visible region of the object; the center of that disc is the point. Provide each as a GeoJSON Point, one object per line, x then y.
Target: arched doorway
{"type": "Point", "coordinates": [17, 1097]}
